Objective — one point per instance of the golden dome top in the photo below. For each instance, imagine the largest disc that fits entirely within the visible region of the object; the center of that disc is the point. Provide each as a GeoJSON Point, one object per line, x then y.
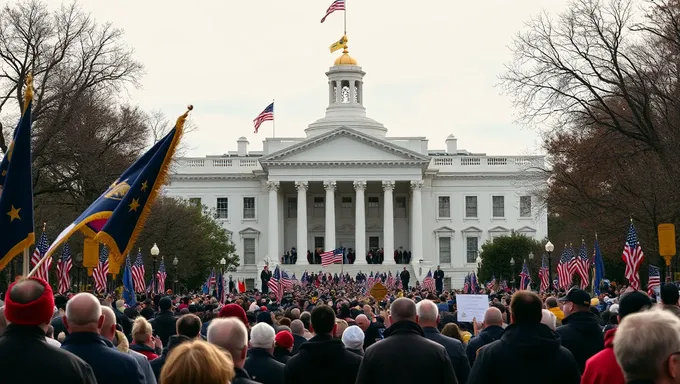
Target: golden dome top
{"type": "Point", "coordinates": [345, 59]}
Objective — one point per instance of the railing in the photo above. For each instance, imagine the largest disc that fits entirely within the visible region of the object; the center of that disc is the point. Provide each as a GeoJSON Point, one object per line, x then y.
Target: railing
{"type": "Point", "coordinates": [485, 163]}
{"type": "Point", "coordinates": [216, 165]}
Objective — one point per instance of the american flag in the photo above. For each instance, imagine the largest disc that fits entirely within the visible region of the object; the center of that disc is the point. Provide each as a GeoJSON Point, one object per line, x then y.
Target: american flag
{"type": "Point", "coordinates": [544, 274]}
{"type": "Point", "coordinates": [212, 282]}
{"type": "Point", "coordinates": [466, 284]}
{"type": "Point", "coordinates": [583, 265]}
{"type": "Point", "coordinates": [428, 282]}
{"type": "Point", "coordinates": [370, 281]}
{"type": "Point", "coordinates": [331, 257]}
{"type": "Point", "coordinates": [491, 284]}
{"type": "Point", "coordinates": [503, 285]}
{"type": "Point", "coordinates": [563, 272]}
{"type": "Point", "coordinates": [654, 279]}
{"type": "Point", "coordinates": [632, 256]}
{"type": "Point", "coordinates": [304, 279]}
{"type": "Point", "coordinates": [286, 281]}
{"type": "Point", "coordinates": [338, 5]}
{"type": "Point", "coordinates": [524, 277]}
{"type": "Point", "coordinates": [474, 287]}
{"type": "Point", "coordinates": [266, 115]}
{"type": "Point", "coordinates": [101, 272]}
{"type": "Point", "coordinates": [161, 276]}
{"type": "Point", "coordinates": [397, 280]}
{"type": "Point", "coordinates": [295, 279]}
{"type": "Point", "coordinates": [390, 280]}
{"type": "Point", "coordinates": [275, 285]}
{"type": "Point", "coordinates": [572, 261]}
{"type": "Point", "coordinates": [38, 252]}
{"type": "Point", "coordinates": [138, 273]}
{"type": "Point", "coordinates": [64, 270]}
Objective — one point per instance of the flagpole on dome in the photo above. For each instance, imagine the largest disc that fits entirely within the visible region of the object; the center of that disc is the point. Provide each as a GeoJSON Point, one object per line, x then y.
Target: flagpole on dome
{"type": "Point", "coordinates": [345, 19]}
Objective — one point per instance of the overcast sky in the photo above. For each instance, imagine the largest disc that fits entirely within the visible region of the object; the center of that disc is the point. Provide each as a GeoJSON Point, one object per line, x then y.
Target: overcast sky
{"type": "Point", "coordinates": [431, 66]}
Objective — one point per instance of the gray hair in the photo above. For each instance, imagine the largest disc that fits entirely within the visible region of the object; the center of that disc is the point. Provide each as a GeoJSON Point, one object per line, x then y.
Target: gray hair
{"type": "Point", "coordinates": [641, 354]}
{"type": "Point", "coordinates": [262, 336]}
{"type": "Point", "coordinates": [297, 327]}
{"type": "Point", "coordinates": [229, 333]}
{"type": "Point", "coordinates": [427, 311]}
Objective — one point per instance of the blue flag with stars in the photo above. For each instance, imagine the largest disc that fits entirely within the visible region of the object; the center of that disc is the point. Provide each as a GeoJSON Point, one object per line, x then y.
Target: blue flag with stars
{"type": "Point", "coordinates": [117, 217]}
{"type": "Point", "coordinates": [128, 285]}
{"type": "Point", "coordinates": [16, 195]}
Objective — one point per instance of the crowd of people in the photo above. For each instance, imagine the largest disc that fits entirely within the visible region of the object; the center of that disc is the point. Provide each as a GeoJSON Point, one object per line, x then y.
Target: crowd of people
{"type": "Point", "coordinates": [338, 333]}
{"type": "Point", "coordinates": [373, 256]}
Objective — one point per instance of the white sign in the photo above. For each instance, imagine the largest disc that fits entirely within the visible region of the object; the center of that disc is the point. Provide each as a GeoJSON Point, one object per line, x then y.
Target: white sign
{"type": "Point", "coordinates": [472, 306]}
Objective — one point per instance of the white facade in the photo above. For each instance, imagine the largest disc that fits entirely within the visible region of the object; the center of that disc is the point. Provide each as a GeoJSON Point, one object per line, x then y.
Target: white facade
{"type": "Point", "coordinates": [354, 187]}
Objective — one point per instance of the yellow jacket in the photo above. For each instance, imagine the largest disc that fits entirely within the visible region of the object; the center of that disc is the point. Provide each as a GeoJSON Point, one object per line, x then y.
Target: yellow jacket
{"type": "Point", "coordinates": [558, 313]}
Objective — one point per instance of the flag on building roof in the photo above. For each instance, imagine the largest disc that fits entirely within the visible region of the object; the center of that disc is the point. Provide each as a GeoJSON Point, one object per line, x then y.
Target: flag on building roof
{"type": "Point", "coordinates": [632, 256]}
{"type": "Point", "coordinates": [64, 270]}
{"type": "Point", "coordinates": [524, 277]}
{"type": "Point", "coordinates": [654, 281]}
{"type": "Point", "coordinates": [101, 272]}
{"type": "Point", "coordinates": [428, 282]}
{"type": "Point", "coordinates": [266, 115]}
{"type": "Point", "coordinates": [38, 253]}
{"type": "Point", "coordinates": [138, 273]}
{"type": "Point", "coordinates": [331, 257]}
{"type": "Point", "coordinates": [337, 5]}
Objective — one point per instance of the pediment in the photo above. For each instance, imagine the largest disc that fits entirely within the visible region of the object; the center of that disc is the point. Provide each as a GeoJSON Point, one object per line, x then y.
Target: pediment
{"type": "Point", "coordinates": [499, 229]}
{"type": "Point", "coordinates": [471, 230]}
{"type": "Point", "coordinates": [444, 229]}
{"type": "Point", "coordinates": [526, 229]}
{"type": "Point", "coordinates": [344, 146]}
{"type": "Point", "coordinates": [249, 231]}
{"type": "Point", "coordinates": [316, 228]}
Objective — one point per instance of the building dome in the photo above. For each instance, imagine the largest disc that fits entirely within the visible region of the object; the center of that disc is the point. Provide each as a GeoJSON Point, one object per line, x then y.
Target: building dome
{"type": "Point", "coordinates": [345, 59]}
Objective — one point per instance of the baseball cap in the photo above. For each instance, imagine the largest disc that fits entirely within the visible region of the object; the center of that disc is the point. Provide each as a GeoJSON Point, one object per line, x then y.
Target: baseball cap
{"type": "Point", "coordinates": [576, 296]}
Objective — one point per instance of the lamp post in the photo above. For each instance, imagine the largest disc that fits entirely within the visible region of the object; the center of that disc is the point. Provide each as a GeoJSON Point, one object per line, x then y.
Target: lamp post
{"type": "Point", "coordinates": [512, 270]}
{"type": "Point", "coordinates": [79, 264]}
{"type": "Point", "coordinates": [174, 264]}
{"type": "Point", "coordinates": [549, 247]}
{"type": "Point", "coordinates": [154, 255]}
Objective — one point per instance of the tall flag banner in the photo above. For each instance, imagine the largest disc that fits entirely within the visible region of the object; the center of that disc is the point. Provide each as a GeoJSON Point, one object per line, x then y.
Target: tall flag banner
{"type": "Point", "coordinates": [338, 5]}
{"type": "Point", "coordinates": [466, 284]}
{"type": "Point", "coordinates": [572, 262]}
{"type": "Point", "coordinates": [138, 273]}
{"type": "Point", "coordinates": [117, 217]}
{"type": "Point", "coordinates": [428, 282]}
{"type": "Point", "coordinates": [473, 283]}
{"type": "Point", "coordinates": [64, 266]}
{"type": "Point", "coordinates": [524, 277]}
{"type": "Point", "coordinates": [599, 267]}
{"type": "Point", "coordinates": [338, 45]}
{"type": "Point", "coordinates": [632, 256]}
{"type": "Point", "coordinates": [275, 285]}
{"type": "Point", "coordinates": [128, 284]}
{"type": "Point", "coordinates": [266, 115]}
{"type": "Point", "coordinates": [654, 281]}
{"type": "Point", "coordinates": [544, 275]}
{"type": "Point", "coordinates": [286, 281]}
{"type": "Point", "coordinates": [331, 257]}
{"type": "Point", "coordinates": [38, 253]}
{"type": "Point", "coordinates": [582, 264]}
{"type": "Point", "coordinates": [563, 269]}
{"type": "Point", "coordinates": [16, 190]}
{"type": "Point", "coordinates": [160, 277]}
{"type": "Point", "coordinates": [100, 273]}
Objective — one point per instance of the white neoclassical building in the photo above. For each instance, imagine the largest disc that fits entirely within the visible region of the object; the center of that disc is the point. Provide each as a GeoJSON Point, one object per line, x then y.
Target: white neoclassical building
{"type": "Point", "coordinates": [347, 184]}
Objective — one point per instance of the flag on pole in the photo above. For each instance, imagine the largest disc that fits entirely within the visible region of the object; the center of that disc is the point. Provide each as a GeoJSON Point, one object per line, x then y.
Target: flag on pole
{"type": "Point", "coordinates": [338, 5]}
{"type": "Point", "coordinates": [286, 281]}
{"type": "Point", "coordinates": [544, 274]}
{"type": "Point", "coordinates": [524, 277]}
{"type": "Point", "coordinates": [632, 256]}
{"type": "Point", "coordinates": [491, 284]}
{"type": "Point", "coordinates": [582, 264]}
{"type": "Point", "coordinates": [64, 270]}
{"type": "Point", "coordinates": [428, 282]}
{"type": "Point", "coordinates": [654, 281]}
{"type": "Point", "coordinates": [563, 269]}
{"type": "Point", "coordinates": [338, 45]}
{"type": "Point", "coordinates": [160, 277]}
{"type": "Point", "coordinates": [599, 267]}
{"type": "Point", "coordinates": [331, 257]}
{"type": "Point", "coordinates": [128, 284]}
{"type": "Point", "coordinates": [275, 285]}
{"type": "Point", "coordinates": [101, 272]}
{"type": "Point", "coordinates": [38, 253]}
{"type": "Point", "coordinates": [266, 115]}
{"type": "Point", "coordinates": [138, 273]}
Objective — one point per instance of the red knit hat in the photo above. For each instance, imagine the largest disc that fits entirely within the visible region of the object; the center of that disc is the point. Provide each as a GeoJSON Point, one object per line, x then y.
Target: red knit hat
{"type": "Point", "coordinates": [284, 339]}
{"type": "Point", "coordinates": [234, 310]}
{"type": "Point", "coordinates": [36, 312]}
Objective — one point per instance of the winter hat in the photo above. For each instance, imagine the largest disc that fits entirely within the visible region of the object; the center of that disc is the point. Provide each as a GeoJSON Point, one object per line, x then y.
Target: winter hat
{"type": "Point", "coordinates": [262, 336]}
{"type": "Point", "coordinates": [234, 310]}
{"type": "Point", "coordinates": [265, 317]}
{"type": "Point", "coordinates": [353, 337]}
{"type": "Point", "coordinates": [614, 308]}
{"type": "Point", "coordinates": [36, 312]}
{"type": "Point", "coordinates": [284, 339]}
{"type": "Point", "coordinates": [632, 302]}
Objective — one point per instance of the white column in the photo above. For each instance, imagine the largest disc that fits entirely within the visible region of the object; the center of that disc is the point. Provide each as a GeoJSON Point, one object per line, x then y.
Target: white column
{"type": "Point", "coordinates": [301, 246]}
{"type": "Point", "coordinates": [329, 241]}
{"type": "Point", "coordinates": [417, 224]}
{"type": "Point", "coordinates": [273, 235]}
{"type": "Point", "coordinates": [360, 223]}
{"type": "Point", "coordinates": [388, 222]}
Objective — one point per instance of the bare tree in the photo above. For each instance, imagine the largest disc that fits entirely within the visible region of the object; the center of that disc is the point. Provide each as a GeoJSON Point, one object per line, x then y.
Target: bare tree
{"type": "Point", "coordinates": [159, 125]}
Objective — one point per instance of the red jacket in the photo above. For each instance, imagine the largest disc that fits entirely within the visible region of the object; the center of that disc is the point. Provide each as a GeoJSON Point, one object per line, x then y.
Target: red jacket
{"type": "Point", "coordinates": [602, 368]}
{"type": "Point", "coordinates": [144, 350]}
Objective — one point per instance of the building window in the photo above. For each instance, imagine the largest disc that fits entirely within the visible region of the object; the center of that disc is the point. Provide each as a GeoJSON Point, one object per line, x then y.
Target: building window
{"type": "Point", "coordinates": [249, 208]}
{"type": "Point", "coordinates": [472, 244]}
{"type": "Point", "coordinates": [525, 206]}
{"type": "Point", "coordinates": [498, 204]}
{"type": "Point", "coordinates": [292, 207]}
{"type": "Point", "coordinates": [400, 207]}
{"type": "Point", "coordinates": [195, 201]}
{"type": "Point", "coordinates": [249, 251]}
{"type": "Point", "coordinates": [373, 207]}
{"type": "Point", "coordinates": [445, 250]}
{"type": "Point", "coordinates": [319, 243]}
{"type": "Point", "coordinates": [347, 202]}
{"type": "Point", "coordinates": [222, 208]}
{"type": "Point", "coordinates": [444, 206]}
{"type": "Point", "coordinates": [471, 206]}
{"type": "Point", "coordinates": [319, 202]}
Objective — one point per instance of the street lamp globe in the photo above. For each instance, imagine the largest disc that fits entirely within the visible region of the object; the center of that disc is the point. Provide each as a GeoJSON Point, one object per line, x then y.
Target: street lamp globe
{"type": "Point", "coordinates": [549, 247]}
{"type": "Point", "coordinates": [223, 261]}
{"type": "Point", "coordinates": [175, 261]}
{"type": "Point", "coordinates": [154, 250]}
{"type": "Point", "coordinates": [512, 261]}
{"type": "Point", "coordinates": [531, 255]}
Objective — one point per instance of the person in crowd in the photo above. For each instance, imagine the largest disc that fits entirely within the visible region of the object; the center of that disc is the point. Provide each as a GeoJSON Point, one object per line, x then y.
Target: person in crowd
{"type": "Point", "coordinates": [109, 332]}
{"type": "Point", "coordinates": [165, 322]}
{"type": "Point", "coordinates": [553, 306]}
{"type": "Point", "coordinates": [548, 318]}
{"type": "Point", "coordinates": [283, 346]}
{"type": "Point", "coordinates": [49, 337]}
{"type": "Point", "coordinates": [669, 298]}
{"type": "Point", "coordinates": [28, 309]}
{"type": "Point", "coordinates": [231, 335]}
{"type": "Point", "coordinates": [602, 368]}
{"type": "Point", "coordinates": [260, 363]}
{"type": "Point", "coordinates": [229, 310]}
{"type": "Point", "coordinates": [198, 362]}
{"type": "Point", "coordinates": [297, 328]}
{"type": "Point", "coordinates": [405, 355]}
{"type": "Point", "coordinates": [646, 347]}
{"type": "Point", "coordinates": [492, 330]}
{"type": "Point", "coordinates": [265, 276]}
{"type": "Point", "coordinates": [428, 318]}
{"type": "Point", "coordinates": [580, 331]}
{"type": "Point", "coordinates": [371, 330]}
{"type": "Point", "coordinates": [121, 318]}
{"type": "Point", "coordinates": [57, 323]}
{"type": "Point", "coordinates": [322, 350]}
{"type": "Point", "coordinates": [353, 339]}
{"type": "Point", "coordinates": [405, 276]}
{"type": "Point", "coordinates": [142, 338]}
{"type": "Point", "coordinates": [452, 330]}
{"type": "Point", "coordinates": [439, 280]}
{"type": "Point", "coordinates": [530, 350]}
{"type": "Point", "coordinates": [84, 321]}
{"type": "Point", "coordinates": [341, 325]}
{"type": "Point", "coordinates": [188, 329]}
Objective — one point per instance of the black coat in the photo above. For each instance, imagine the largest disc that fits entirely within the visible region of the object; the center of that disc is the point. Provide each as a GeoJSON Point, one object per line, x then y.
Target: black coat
{"type": "Point", "coordinates": [282, 355]}
{"type": "Point", "coordinates": [373, 334]}
{"type": "Point", "coordinates": [456, 352]}
{"type": "Point", "coordinates": [487, 336]}
{"type": "Point", "coordinates": [582, 336]}
{"type": "Point", "coordinates": [242, 377]}
{"type": "Point", "coordinates": [157, 364]}
{"type": "Point", "coordinates": [23, 348]}
{"type": "Point", "coordinates": [58, 324]}
{"type": "Point", "coordinates": [322, 359]}
{"type": "Point", "coordinates": [530, 353]}
{"type": "Point", "coordinates": [298, 340]}
{"type": "Point", "coordinates": [263, 367]}
{"type": "Point", "coordinates": [165, 325]}
{"type": "Point", "coordinates": [123, 321]}
{"type": "Point", "coordinates": [405, 356]}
